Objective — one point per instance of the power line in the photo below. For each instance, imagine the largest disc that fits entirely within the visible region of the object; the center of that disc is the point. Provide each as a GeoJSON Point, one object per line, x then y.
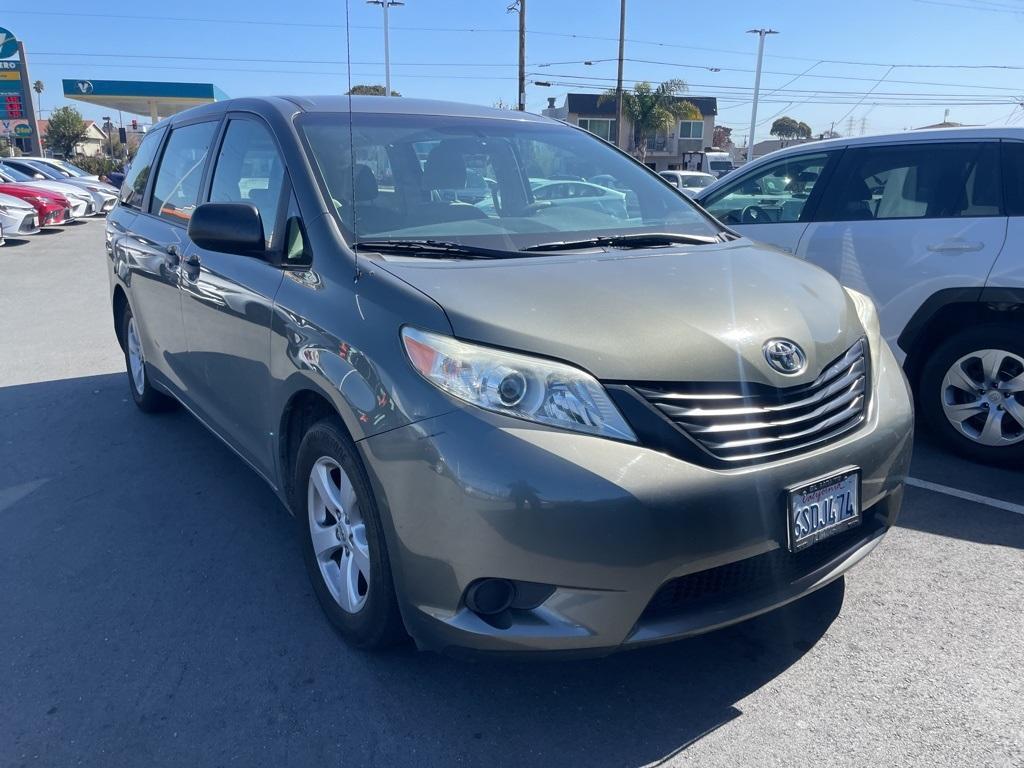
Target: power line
{"type": "Point", "coordinates": [510, 30]}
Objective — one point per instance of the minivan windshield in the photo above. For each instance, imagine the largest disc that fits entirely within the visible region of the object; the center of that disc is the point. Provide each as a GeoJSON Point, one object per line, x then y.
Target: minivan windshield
{"type": "Point", "coordinates": [492, 183]}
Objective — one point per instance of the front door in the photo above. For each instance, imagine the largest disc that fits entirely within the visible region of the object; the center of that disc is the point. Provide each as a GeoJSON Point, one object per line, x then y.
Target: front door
{"type": "Point", "coordinates": [902, 222]}
{"type": "Point", "coordinates": [773, 203]}
{"type": "Point", "coordinates": [228, 300]}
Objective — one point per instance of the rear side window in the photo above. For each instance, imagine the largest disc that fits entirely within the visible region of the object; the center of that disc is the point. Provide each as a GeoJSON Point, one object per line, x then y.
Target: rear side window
{"type": "Point", "coordinates": [250, 170]}
{"type": "Point", "coordinates": [1013, 177]}
{"type": "Point", "coordinates": [133, 187]}
{"type": "Point", "coordinates": [916, 181]}
{"type": "Point", "coordinates": [176, 190]}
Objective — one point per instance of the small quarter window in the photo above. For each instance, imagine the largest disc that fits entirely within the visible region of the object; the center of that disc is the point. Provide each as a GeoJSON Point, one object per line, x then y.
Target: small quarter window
{"type": "Point", "coordinates": [133, 187]}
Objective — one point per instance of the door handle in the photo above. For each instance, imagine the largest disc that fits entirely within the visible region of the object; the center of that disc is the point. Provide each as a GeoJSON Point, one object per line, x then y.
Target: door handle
{"type": "Point", "coordinates": [955, 246]}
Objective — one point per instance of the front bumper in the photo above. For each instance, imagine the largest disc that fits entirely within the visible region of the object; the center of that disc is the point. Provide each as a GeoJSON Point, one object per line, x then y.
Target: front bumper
{"type": "Point", "coordinates": [470, 495]}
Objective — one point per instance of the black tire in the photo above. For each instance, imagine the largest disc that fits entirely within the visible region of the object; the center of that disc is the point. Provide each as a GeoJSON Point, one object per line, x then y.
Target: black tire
{"type": "Point", "coordinates": [929, 390]}
{"type": "Point", "coordinates": [378, 623]}
{"type": "Point", "coordinates": [146, 397]}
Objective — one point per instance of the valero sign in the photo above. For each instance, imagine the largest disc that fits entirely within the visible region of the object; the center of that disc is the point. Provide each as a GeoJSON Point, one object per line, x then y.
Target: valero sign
{"type": "Point", "coordinates": [8, 44]}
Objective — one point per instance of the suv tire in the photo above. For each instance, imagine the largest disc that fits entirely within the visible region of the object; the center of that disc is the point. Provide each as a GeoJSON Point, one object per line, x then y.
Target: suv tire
{"type": "Point", "coordinates": [343, 540]}
{"type": "Point", "coordinates": [991, 357]}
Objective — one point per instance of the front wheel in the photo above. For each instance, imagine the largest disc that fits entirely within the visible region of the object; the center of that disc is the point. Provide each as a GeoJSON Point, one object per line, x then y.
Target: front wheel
{"type": "Point", "coordinates": [971, 393]}
{"type": "Point", "coordinates": [343, 540]}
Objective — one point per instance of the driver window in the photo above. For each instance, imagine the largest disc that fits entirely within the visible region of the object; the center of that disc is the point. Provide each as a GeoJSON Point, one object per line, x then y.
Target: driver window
{"type": "Point", "coordinates": [774, 194]}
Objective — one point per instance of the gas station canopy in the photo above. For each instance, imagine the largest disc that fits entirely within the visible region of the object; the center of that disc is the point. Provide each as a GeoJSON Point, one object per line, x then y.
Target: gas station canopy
{"type": "Point", "coordinates": [157, 100]}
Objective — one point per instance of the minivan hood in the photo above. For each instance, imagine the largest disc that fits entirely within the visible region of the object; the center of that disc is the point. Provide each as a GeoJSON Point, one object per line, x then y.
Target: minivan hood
{"type": "Point", "coordinates": [682, 314]}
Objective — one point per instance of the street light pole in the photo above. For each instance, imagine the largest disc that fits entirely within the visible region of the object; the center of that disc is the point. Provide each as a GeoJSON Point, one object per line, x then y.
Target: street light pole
{"type": "Point", "coordinates": [761, 33]}
{"type": "Point", "coordinates": [385, 4]}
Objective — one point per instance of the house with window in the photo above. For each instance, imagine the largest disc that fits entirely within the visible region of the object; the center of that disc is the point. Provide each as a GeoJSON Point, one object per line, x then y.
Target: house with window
{"type": "Point", "coordinates": [94, 144]}
{"type": "Point", "coordinates": [669, 150]}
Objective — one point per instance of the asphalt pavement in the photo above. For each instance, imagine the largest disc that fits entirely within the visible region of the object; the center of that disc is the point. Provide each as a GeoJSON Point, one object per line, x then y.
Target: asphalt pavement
{"type": "Point", "coordinates": [154, 609]}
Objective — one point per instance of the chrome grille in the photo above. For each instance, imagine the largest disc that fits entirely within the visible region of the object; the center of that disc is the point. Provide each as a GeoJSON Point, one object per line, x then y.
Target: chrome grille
{"type": "Point", "coordinates": [741, 422]}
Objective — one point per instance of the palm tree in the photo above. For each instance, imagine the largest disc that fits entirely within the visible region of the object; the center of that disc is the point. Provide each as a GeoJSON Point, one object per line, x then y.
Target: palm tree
{"type": "Point", "coordinates": [652, 110]}
{"type": "Point", "coordinates": [38, 87]}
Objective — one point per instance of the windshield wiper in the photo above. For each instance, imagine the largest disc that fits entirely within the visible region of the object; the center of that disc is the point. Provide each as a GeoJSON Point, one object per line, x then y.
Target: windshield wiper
{"type": "Point", "coordinates": [438, 249]}
{"type": "Point", "coordinates": [634, 240]}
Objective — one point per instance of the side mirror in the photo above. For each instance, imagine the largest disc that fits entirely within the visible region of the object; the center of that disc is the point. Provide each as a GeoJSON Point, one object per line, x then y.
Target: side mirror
{"type": "Point", "coordinates": [228, 228]}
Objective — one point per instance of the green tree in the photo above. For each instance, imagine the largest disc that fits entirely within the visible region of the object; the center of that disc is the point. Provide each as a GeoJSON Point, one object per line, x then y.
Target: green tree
{"type": "Point", "coordinates": [788, 128]}
{"type": "Point", "coordinates": [369, 90]}
{"type": "Point", "coordinates": [65, 129]}
{"type": "Point", "coordinates": [651, 110]}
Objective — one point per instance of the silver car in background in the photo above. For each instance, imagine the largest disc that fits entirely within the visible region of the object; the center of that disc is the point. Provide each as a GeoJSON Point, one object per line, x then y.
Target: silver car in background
{"type": "Point", "coordinates": [542, 426]}
{"type": "Point", "coordinates": [17, 217]}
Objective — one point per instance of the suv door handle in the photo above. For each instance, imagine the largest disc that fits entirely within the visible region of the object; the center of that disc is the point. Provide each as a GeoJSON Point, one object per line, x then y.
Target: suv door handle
{"type": "Point", "coordinates": [955, 246]}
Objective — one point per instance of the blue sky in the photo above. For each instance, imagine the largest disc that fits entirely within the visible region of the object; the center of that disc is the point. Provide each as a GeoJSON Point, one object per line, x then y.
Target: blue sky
{"type": "Point", "coordinates": [703, 44]}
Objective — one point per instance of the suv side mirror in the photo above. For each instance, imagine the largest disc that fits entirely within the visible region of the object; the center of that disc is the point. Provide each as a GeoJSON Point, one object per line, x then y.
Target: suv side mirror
{"type": "Point", "coordinates": [228, 228]}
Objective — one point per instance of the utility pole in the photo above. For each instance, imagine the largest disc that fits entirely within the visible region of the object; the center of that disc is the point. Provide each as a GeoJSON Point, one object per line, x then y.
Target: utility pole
{"type": "Point", "coordinates": [522, 55]}
{"type": "Point", "coordinates": [618, 81]}
{"type": "Point", "coordinates": [761, 34]}
{"type": "Point", "coordinates": [385, 4]}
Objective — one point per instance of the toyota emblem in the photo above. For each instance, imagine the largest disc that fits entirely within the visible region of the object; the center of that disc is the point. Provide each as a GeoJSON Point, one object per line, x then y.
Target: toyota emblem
{"type": "Point", "coordinates": [785, 356]}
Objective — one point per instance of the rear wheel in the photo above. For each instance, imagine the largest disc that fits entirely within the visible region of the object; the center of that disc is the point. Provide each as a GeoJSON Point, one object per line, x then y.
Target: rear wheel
{"type": "Point", "coordinates": [971, 393]}
{"type": "Point", "coordinates": [146, 397]}
{"type": "Point", "coordinates": [343, 540]}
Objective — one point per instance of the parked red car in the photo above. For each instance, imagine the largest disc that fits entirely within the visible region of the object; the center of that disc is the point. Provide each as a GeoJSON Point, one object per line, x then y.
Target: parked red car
{"type": "Point", "coordinates": [53, 208]}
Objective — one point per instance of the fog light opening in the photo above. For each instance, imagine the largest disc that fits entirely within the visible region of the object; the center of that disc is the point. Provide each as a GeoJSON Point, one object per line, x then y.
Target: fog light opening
{"type": "Point", "coordinates": [488, 597]}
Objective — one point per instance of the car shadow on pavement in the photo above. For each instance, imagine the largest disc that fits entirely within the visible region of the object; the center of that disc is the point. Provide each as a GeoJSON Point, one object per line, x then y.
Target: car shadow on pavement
{"type": "Point", "coordinates": [158, 613]}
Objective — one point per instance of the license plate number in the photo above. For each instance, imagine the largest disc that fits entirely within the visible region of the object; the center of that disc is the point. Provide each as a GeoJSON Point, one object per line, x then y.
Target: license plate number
{"type": "Point", "coordinates": [822, 509]}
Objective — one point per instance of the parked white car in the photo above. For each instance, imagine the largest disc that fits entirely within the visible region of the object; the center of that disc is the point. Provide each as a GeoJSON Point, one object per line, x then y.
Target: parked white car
{"type": "Point", "coordinates": [66, 168]}
{"type": "Point", "coordinates": [688, 182]}
{"type": "Point", "coordinates": [104, 196]}
{"type": "Point", "coordinates": [930, 225]}
{"type": "Point", "coordinates": [81, 201]}
{"type": "Point", "coordinates": [17, 218]}
{"type": "Point", "coordinates": [582, 195]}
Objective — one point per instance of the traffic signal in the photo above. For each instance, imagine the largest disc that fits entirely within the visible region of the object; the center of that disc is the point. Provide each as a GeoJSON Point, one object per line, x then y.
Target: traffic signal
{"type": "Point", "coordinates": [122, 135]}
{"type": "Point", "coordinates": [135, 125]}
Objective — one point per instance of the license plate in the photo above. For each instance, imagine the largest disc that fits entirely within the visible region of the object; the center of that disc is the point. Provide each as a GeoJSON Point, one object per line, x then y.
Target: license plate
{"type": "Point", "coordinates": [822, 508]}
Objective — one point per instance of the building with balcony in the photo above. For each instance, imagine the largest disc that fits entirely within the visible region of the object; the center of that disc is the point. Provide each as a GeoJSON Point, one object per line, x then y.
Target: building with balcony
{"type": "Point", "coordinates": [669, 150]}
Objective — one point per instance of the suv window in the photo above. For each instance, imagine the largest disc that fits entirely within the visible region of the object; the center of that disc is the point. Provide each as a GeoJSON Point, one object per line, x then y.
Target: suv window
{"type": "Point", "coordinates": [176, 190]}
{"type": "Point", "coordinates": [133, 187]}
{"type": "Point", "coordinates": [915, 181]}
{"type": "Point", "coordinates": [776, 193]}
{"type": "Point", "coordinates": [1013, 177]}
{"type": "Point", "coordinates": [250, 170]}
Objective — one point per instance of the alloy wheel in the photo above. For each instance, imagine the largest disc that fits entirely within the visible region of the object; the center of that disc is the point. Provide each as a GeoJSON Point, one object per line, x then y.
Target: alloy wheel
{"type": "Point", "coordinates": [982, 395]}
{"type": "Point", "coordinates": [136, 362]}
{"type": "Point", "coordinates": [339, 534]}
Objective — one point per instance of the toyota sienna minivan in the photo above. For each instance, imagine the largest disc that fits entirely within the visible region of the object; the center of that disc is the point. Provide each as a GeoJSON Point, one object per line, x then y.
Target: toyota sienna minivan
{"type": "Point", "coordinates": [511, 424]}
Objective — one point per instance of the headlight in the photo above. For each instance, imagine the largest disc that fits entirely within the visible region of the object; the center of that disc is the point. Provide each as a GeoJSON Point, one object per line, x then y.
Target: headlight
{"type": "Point", "coordinates": [868, 316]}
{"type": "Point", "coordinates": [516, 385]}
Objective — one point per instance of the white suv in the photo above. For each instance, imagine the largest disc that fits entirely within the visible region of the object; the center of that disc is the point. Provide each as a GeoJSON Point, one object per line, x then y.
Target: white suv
{"type": "Point", "coordinates": [930, 224]}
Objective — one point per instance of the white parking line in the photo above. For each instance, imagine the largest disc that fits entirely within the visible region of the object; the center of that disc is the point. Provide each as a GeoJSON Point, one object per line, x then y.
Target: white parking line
{"type": "Point", "coordinates": [967, 495]}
